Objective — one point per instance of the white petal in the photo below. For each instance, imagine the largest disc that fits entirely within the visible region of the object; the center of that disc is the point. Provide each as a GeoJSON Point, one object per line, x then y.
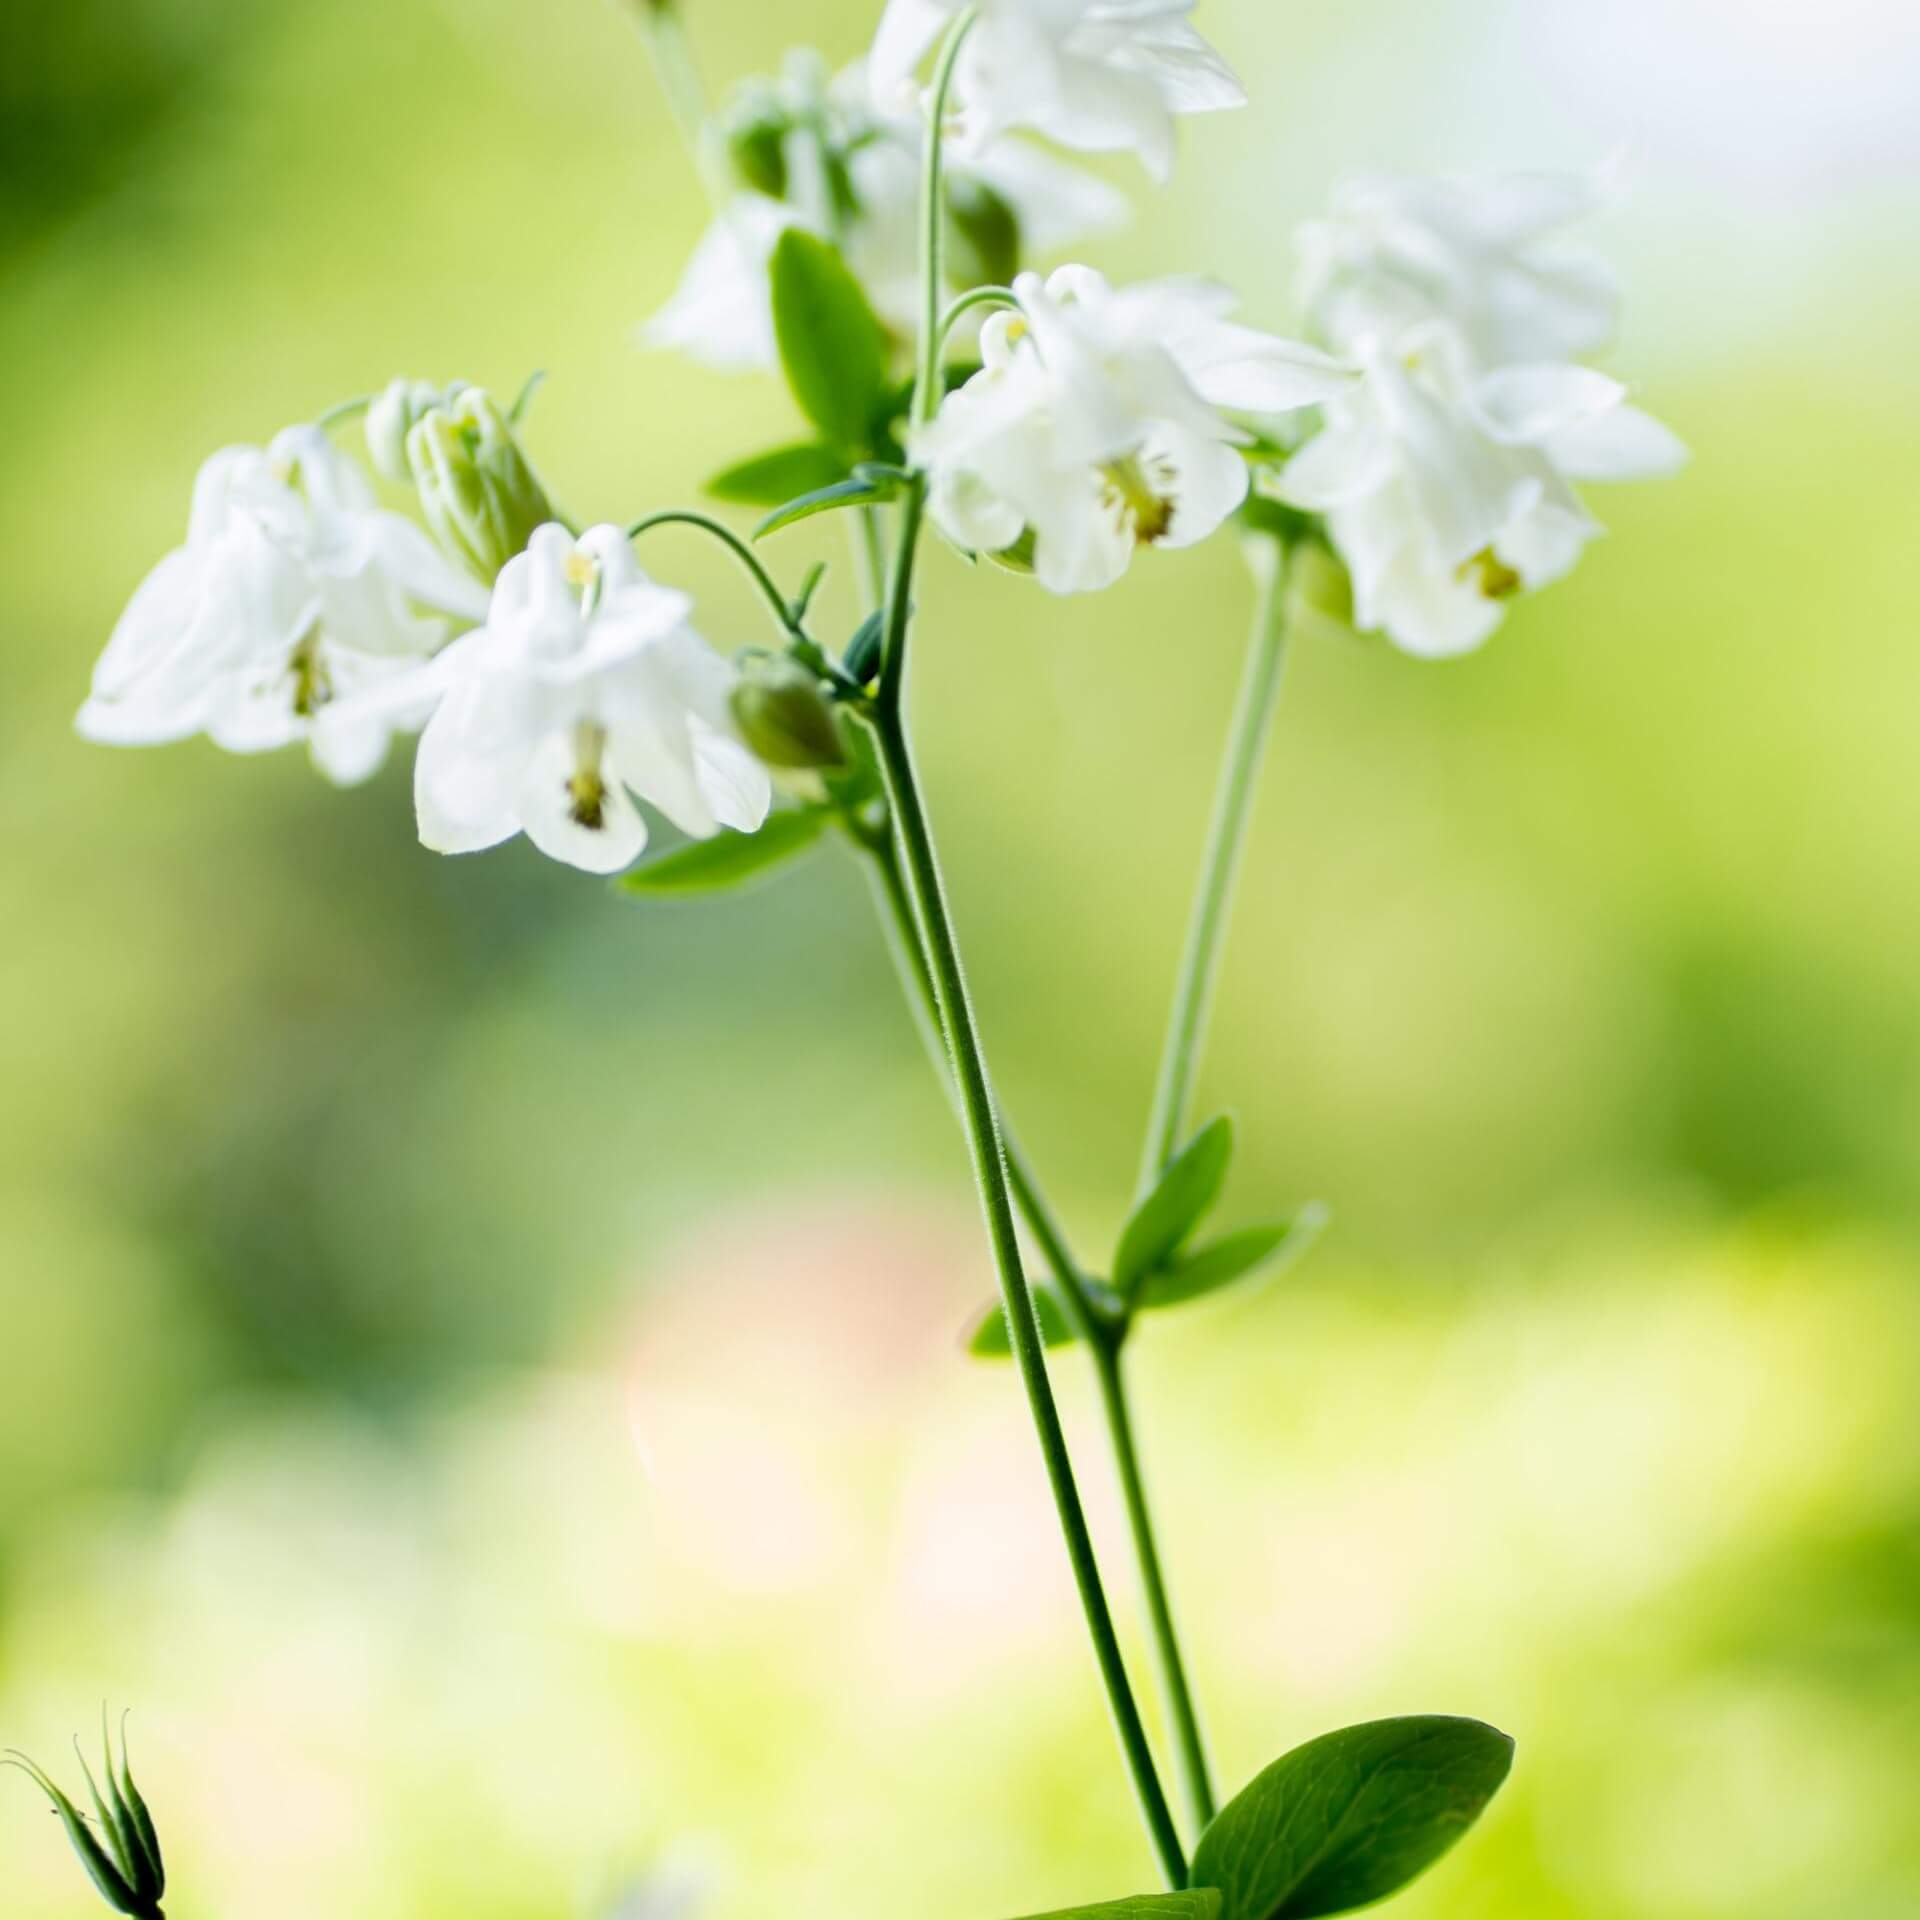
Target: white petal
{"type": "Point", "coordinates": [1338, 465]}
{"type": "Point", "coordinates": [1521, 406]}
{"type": "Point", "coordinates": [1210, 482]}
{"type": "Point", "coordinates": [1080, 544]}
{"type": "Point", "coordinates": [971, 514]}
{"type": "Point", "coordinates": [1621, 444]}
{"type": "Point", "coordinates": [467, 774]}
{"type": "Point", "coordinates": [721, 314]}
{"type": "Point", "coordinates": [735, 783]}
{"type": "Point", "coordinates": [548, 814]}
{"type": "Point", "coordinates": [1247, 371]}
{"type": "Point", "coordinates": [907, 32]}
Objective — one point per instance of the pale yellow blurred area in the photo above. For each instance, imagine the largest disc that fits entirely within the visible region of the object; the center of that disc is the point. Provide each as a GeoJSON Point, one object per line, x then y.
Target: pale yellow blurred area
{"type": "Point", "coordinates": [479, 1358]}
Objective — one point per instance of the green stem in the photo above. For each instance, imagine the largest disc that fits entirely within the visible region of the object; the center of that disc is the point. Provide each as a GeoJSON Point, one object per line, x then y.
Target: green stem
{"type": "Point", "coordinates": [933, 225]}
{"type": "Point", "coordinates": [928, 898]}
{"type": "Point", "coordinates": [673, 64]}
{"type": "Point", "coordinates": [1095, 1328]}
{"type": "Point", "coordinates": [1226, 838]}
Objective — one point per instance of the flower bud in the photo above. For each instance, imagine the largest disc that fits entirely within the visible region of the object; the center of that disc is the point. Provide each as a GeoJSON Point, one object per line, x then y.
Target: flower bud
{"type": "Point", "coordinates": [783, 716]}
{"type": "Point", "coordinates": [391, 418]}
{"type": "Point", "coordinates": [477, 489]}
{"type": "Point", "coordinates": [122, 1857]}
{"type": "Point", "coordinates": [754, 127]}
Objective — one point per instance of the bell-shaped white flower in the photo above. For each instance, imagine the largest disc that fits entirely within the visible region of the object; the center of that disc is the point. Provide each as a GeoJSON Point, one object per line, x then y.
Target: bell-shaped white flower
{"type": "Point", "coordinates": [721, 313]}
{"type": "Point", "coordinates": [1447, 491]}
{"type": "Point", "coordinates": [585, 687]}
{"type": "Point", "coordinates": [294, 602]}
{"type": "Point", "coordinates": [1100, 423]}
{"type": "Point", "coordinates": [1105, 76]}
{"type": "Point", "coordinates": [1482, 255]}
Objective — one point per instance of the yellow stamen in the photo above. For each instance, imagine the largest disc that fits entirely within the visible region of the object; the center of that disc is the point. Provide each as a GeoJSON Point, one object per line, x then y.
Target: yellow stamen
{"type": "Point", "coordinates": [1491, 575]}
{"type": "Point", "coordinates": [1131, 490]}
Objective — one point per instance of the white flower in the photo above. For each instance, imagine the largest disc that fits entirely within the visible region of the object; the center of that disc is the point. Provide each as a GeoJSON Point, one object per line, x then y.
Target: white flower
{"type": "Point", "coordinates": [721, 312]}
{"type": "Point", "coordinates": [1448, 491]}
{"type": "Point", "coordinates": [1102, 75]}
{"type": "Point", "coordinates": [1394, 253]}
{"type": "Point", "coordinates": [293, 604]}
{"type": "Point", "coordinates": [586, 686]}
{"type": "Point", "coordinates": [1097, 424]}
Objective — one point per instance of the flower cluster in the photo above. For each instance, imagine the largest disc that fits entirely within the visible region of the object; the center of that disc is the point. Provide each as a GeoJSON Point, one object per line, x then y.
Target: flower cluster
{"type": "Point", "coordinates": [1446, 475]}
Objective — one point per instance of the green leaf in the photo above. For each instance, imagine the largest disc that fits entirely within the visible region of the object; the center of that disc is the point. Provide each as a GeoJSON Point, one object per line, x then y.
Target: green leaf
{"type": "Point", "coordinates": [862, 657]}
{"type": "Point", "coordinates": [867, 486]}
{"type": "Point", "coordinates": [1234, 1257]}
{"type": "Point", "coordinates": [728, 860]}
{"type": "Point", "coordinates": [990, 1340]}
{"type": "Point", "coordinates": [1351, 1817]}
{"type": "Point", "coordinates": [832, 345]}
{"type": "Point", "coordinates": [1188, 1185]}
{"type": "Point", "coordinates": [770, 478]}
{"type": "Point", "coordinates": [1196, 1903]}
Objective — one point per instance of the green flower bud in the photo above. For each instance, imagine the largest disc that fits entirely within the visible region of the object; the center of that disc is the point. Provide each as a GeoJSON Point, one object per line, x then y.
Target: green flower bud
{"type": "Point", "coordinates": [983, 235]}
{"type": "Point", "coordinates": [784, 717]}
{"type": "Point", "coordinates": [477, 489]}
{"type": "Point", "coordinates": [391, 418]}
{"type": "Point", "coordinates": [123, 1859]}
{"type": "Point", "coordinates": [754, 128]}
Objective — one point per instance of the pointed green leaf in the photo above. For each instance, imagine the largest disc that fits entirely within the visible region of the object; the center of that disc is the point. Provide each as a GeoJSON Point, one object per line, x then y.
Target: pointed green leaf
{"type": "Point", "coordinates": [119, 1839]}
{"type": "Point", "coordinates": [769, 478]}
{"type": "Point", "coordinates": [1196, 1903]}
{"type": "Point", "coordinates": [990, 1340]}
{"type": "Point", "coordinates": [866, 487]}
{"type": "Point", "coordinates": [101, 1870]}
{"type": "Point", "coordinates": [1351, 1817]}
{"type": "Point", "coordinates": [136, 1808]}
{"type": "Point", "coordinates": [1232, 1258]}
{"type": "Point", "coordinates": [832, 345]}
{"type": "Point", "coordinates": [1188, 1186]}
{"type": "Point", "coordinates": [862, 658]}
{"type": "Point", "coordinates": [728, 860]}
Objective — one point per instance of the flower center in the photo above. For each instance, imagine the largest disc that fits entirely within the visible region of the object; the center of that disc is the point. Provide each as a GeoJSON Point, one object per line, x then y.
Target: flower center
{"type": "Point", "coordinates": [587, 786]}
{"type": "Point", "coordinates": [312, 683]}
{"type": "Point", "coordinates": [1141, 493]}
{"type": "Point", "coordinates": [1490, 576]}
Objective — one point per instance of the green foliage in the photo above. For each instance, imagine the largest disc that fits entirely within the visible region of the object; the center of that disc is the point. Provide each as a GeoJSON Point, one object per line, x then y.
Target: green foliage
{"type": "Point", "coordinates": [868, 486]}
{"type": "Point", "coordinates": [1196, 1903]}
{"type": "Point", "coordinates": [1160, 1225]}
{"type": "Point", "coordinates": [1350, 1817]}
{"type": "Point", "coordinates": [1234, 1257]}
{"type": "Point", "coordinates": [727, 860]}
{"type": "Point", "coordinates": [771, 479]}
{"type": "Point", "coordinates": [990, 1340]}
{"type": "Point", "coordinates": [832, 344]}
{"type": "Point", "coordinates": [126, 1868]}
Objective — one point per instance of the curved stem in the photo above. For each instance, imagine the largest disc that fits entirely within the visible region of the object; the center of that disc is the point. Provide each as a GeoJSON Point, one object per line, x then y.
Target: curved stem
{"type": "Point", "coordinates": [1226, 837]}
{"type": "Point", "coordinates": [933, 231]}
{"type": "Point", "coordinates": [931, 915]}
{"type": "Point", "coordinates": [777, 603]}
{"type": "Point", "coordinates": [968, 302]}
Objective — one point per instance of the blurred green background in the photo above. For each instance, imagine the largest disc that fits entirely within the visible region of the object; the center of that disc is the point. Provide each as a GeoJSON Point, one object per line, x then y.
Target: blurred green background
{"type": "Point", "coordinates": [478, 1362]}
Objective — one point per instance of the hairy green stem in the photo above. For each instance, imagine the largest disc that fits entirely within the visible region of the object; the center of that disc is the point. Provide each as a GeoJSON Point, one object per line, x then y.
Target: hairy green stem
{"type": "Point", "coordinates": [1226, 839]}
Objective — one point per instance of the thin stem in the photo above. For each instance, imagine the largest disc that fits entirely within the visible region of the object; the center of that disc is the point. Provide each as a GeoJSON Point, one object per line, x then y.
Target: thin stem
{"type": "Point", "coordinates": [990, 1173]}
{"type": "Point", "coordinates": [1226, 838]}
{"type": "Point", "coordinates": [1095, 1329]}
{"type": "Point", "coordinates": [870, 549]}
{"type": "Point", "coordinates": [966, 303]}
{"type": "Point", "coordinates": [665, 33]}
{"type": "Point", "coordinates": [933, 236]}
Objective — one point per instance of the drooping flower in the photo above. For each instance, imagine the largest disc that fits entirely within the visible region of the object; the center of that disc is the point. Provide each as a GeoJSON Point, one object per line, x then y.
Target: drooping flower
{"type": "Point", "coordinates": [816, 155]}
{"type": "Point", "coordinates": [294, 598]}
{"type": "Point", "coordinates": [1447, 490]}
{"type": "Point", "coordinates": [1105, 76]}
{"type": "Point", "coordinates": [585, 687]}
{"type": "Point", "coordinates": [1395, 252]}
{"type": "Point", "coordinates": [1100, 423]}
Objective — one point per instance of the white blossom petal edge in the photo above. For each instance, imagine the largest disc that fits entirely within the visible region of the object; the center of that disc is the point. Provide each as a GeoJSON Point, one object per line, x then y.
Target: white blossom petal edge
{"type": "Point", "coordinates": [1099, 423]}
{"type": "Point", "coordinates": [585, 687]}
{"type": "Point", "coordinates": [293, 604]}
{"type": "Point", "coordinates": [1101, 75]}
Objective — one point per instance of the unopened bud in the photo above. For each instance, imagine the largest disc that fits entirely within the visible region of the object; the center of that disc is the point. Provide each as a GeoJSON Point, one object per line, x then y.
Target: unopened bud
{"type": "Point", "coordinates": [477, 489]}
{"type": "Point", "coordinates": [785, 718]}
{"type": "Point", "coordinates": [754, 126]}
{"type": "Point", "coordinates": [119, 1848]}
{"type": "Point", "coordinates": [390, 419]}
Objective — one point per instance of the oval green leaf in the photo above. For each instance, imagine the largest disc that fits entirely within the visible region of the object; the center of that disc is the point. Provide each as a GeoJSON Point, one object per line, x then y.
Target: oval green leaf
{"type": "Point", "coordinates": [832, 345]}
{"type": "Point", "coordinates": [864, 488]}
{"type": "Point", "coordinates": [768, 479]}
{"type": "Point", "coordinates": [728, 860]}
{"type": "Point", "coordinates": [1351, 1817]}
{"type": "Point", "coordinates": [1196, 1903]}
{"type": "Point", "coordinates": [1253, 1252]}
{"type": "Point", "coordinates": [1188, 1186]}
{"type": "Point", "coordinates": [989, 1339]}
